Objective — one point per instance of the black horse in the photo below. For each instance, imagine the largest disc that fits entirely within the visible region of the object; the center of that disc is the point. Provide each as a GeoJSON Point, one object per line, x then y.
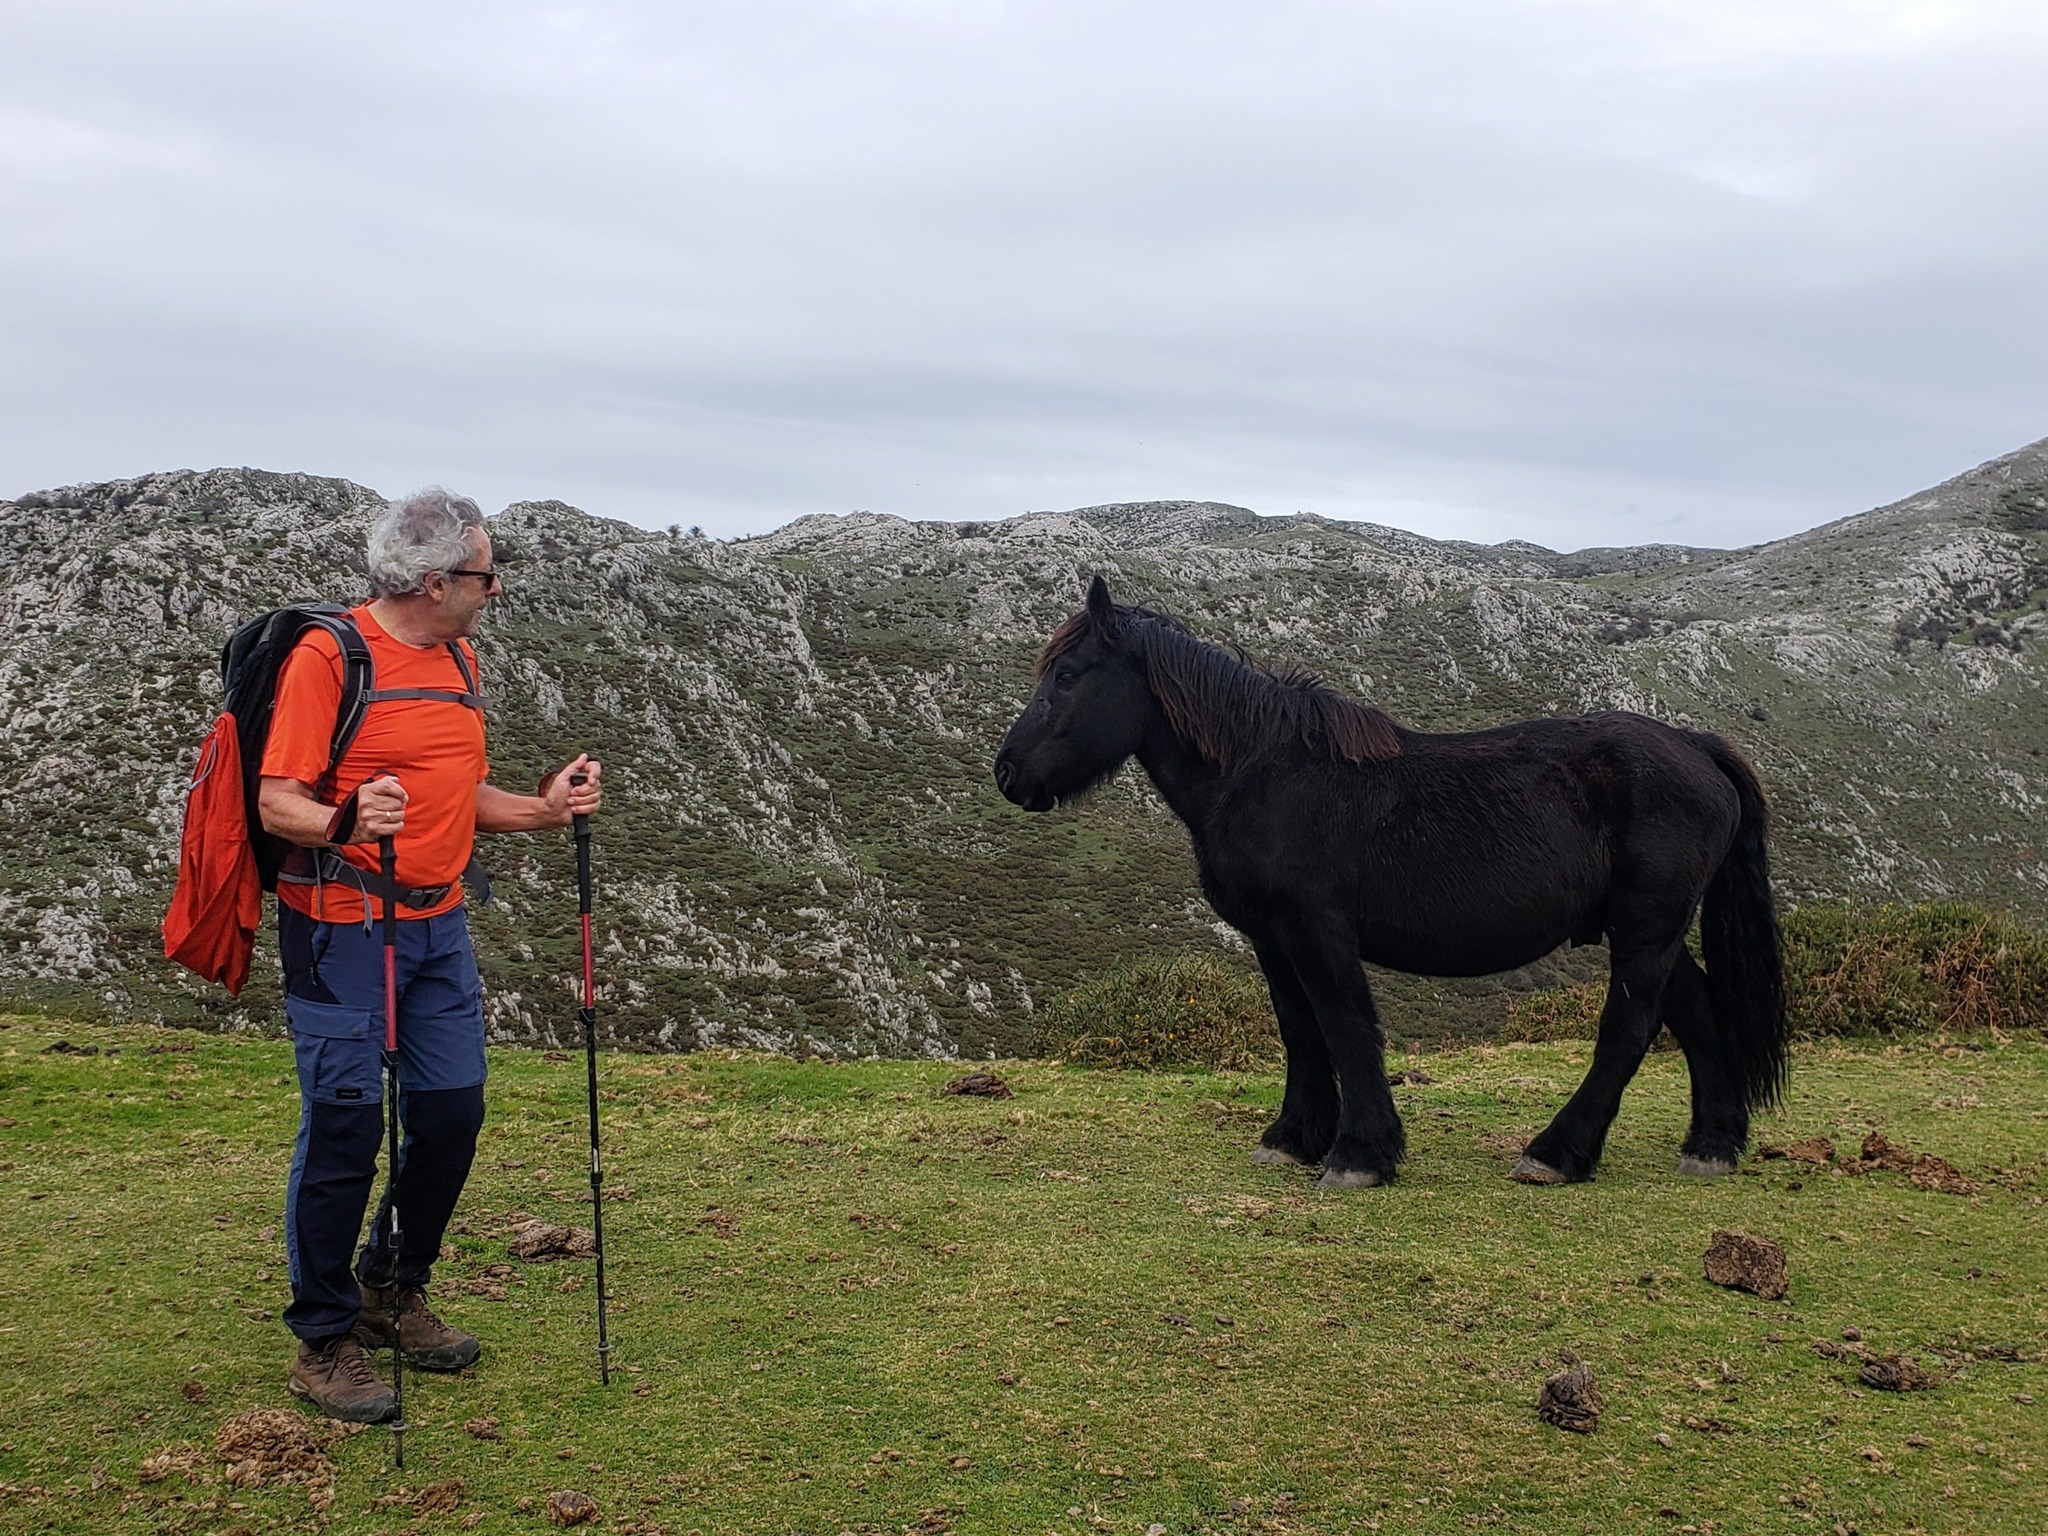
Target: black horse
{"type": "Point", "coordinates": [1326, 834]}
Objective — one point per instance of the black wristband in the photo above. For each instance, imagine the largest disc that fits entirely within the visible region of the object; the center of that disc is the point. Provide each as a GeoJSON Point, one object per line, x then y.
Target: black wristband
{"type": "Point", "coordinates": [341, 828]}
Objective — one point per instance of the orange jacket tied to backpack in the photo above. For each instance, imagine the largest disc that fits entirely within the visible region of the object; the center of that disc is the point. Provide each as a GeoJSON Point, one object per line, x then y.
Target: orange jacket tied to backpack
{"type": "Point", "coordinates": [211, 925]}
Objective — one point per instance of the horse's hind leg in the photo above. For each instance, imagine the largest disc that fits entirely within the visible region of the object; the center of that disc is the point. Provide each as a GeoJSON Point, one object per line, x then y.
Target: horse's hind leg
{"type": "Point", "coordinates": [1719, 1131]}
{"type": "Point", "coordinates": [1567, 1149]}
{"type": "Point", "coordinates": [1307, 1122]}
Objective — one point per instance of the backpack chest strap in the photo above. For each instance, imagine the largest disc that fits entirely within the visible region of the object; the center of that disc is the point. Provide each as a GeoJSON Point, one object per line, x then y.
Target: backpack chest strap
{"type": "Point", "coordinates": [443, 695]}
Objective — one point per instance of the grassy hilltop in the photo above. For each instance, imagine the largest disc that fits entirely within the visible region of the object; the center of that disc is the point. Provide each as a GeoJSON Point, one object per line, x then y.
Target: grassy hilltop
{"type": "Point", "coordinates": [803, 849]}
{"type": "Point", "coordinates": [845, 1302]}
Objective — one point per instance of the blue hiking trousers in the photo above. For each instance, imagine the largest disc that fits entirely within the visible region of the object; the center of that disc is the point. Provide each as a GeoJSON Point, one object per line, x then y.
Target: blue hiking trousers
{"type": "Point", "coordinates": [334, 1001]}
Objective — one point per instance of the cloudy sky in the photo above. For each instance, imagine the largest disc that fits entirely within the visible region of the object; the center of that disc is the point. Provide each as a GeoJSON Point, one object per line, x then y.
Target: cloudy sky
{"type": "Point", "coordinates": [1577, 271]}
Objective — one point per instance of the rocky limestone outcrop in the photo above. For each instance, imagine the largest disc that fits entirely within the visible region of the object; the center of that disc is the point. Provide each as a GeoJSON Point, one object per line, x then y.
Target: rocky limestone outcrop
{"type": "Point", "coordinates": [803, 849]}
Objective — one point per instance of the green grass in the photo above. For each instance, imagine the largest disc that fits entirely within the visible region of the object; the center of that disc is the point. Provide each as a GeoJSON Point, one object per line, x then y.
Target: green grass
{"type": "Point", "coordinates": [846, 1302]}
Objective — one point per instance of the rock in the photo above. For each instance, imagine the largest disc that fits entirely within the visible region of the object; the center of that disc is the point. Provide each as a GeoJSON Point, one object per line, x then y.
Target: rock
{"type": "Point", "coordinates": [571, 1508]}
{"type": "Point", "coordinates": [1745, 1263]}
{"type": "Point", "coordinates": [1572, 1401]}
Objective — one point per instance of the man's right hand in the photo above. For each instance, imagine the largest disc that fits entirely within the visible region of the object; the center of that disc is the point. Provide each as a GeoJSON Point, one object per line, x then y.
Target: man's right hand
{"type": "Point", "coordinates": [380, 809]}
{"type": "Point", "coordinates": [290, 810]}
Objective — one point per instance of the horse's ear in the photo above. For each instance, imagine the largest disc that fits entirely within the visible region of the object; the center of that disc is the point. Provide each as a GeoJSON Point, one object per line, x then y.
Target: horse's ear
{"type": "Point", "coordinates": [1100, 608]}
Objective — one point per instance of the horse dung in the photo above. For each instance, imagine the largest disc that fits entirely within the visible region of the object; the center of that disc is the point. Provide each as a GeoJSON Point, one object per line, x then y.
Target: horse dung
{"type": "Point", "coordinates": [1571, 1400]}
{"type": "Point", "coordinates": [979, 1085]}
{"type": "Point", "coordinates": [1745, 1263]}
{"type": "Point", "coordinates": [1896, 1373]}
{"type": "Point", "coordinates": [571, 1508]}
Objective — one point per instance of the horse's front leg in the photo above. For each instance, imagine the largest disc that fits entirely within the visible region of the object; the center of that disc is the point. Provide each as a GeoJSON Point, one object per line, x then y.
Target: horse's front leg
{"type": "Point", "coordinates": [1307, 1122]}
{"type": "Point", "coordinates": [1369, 1141]}
{"type": "Point", "coordinates": [1567, 1150]}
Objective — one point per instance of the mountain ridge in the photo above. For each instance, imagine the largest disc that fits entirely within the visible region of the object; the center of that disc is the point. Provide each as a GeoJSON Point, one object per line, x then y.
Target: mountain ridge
{"type": "Point", "coordinates": [804, 849]}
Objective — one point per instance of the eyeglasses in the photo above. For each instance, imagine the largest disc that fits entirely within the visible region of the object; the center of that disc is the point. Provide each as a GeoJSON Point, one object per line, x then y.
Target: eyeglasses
{"type": "Point", "coordinates": [489, 578]}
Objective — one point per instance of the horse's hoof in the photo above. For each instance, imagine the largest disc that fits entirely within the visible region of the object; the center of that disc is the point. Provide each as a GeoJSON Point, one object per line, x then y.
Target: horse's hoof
{"type": "Point", "coordinates": [1529, 1171]}
{"type": "Point", "coordinates": [1275, 1157]}
{"type": "Point", "coordinates": [1691, 1167]}
{"type": "Point", "coordinates": [1350, 1178]}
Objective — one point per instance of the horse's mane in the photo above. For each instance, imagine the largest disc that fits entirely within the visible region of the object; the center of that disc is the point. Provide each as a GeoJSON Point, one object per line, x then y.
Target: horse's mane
{"type": "Point", "coordinates": [1231, 709]}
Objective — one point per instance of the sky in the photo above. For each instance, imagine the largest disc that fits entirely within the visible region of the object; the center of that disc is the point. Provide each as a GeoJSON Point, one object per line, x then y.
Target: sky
{"type": "Point", "coordinates": [1575, 271]}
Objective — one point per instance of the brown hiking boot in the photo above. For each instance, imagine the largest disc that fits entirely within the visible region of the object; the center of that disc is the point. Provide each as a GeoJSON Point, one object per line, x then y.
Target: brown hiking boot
{"type": "Point", "coordinates": [338, 1380]}
{"type": "Point", "coordinates": [402, 1312]}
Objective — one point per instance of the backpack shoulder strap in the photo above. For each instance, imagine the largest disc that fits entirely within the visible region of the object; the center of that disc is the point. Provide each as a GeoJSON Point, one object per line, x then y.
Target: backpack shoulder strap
{"type": "Point", "coordinates": [465, 663]}
{"type": "Point", "coordinates": [358, 686]}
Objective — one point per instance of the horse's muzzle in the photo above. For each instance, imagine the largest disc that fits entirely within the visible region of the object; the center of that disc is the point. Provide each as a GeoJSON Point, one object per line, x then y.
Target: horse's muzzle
{"type": "Point", "coordinates": [1007, 780]}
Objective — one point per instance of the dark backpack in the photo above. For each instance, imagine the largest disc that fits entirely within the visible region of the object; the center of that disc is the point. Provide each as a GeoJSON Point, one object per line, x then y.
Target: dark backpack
{"type": "Point", "coordinates": [249, 665]}
{"type": "Point", "coordinates": [226, 859]}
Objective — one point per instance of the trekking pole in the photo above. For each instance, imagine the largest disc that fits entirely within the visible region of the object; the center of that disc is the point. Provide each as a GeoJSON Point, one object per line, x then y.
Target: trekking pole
{"type": "Point", "coordinates": [587, 1015]}
{"type": "Point", "coordinates": [387, 851]}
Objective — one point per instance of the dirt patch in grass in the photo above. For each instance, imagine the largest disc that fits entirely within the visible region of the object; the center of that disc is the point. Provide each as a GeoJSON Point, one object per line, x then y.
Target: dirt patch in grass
{"type": "Point", "coordinates": [182, 1460]}
{"type": "Point", "coordinates": [1505, 1144]}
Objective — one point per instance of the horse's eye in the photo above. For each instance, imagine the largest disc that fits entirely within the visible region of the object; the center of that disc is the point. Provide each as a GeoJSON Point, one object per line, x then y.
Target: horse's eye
{"type": "Point", "coordinates": [1064, 677]}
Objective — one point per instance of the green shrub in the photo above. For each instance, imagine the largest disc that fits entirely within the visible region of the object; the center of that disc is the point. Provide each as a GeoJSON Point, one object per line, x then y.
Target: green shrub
{"type": "Point", "coordinates": [1562, 1013]}
{"type": "Point", "coordinates": [1192, 1010]}
{"type": "Point", "coordinates": [1939, 967]}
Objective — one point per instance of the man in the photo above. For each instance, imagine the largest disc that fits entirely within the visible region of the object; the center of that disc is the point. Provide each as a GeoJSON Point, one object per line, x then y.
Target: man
{"type": "Point", "coordinates": [416, 772]}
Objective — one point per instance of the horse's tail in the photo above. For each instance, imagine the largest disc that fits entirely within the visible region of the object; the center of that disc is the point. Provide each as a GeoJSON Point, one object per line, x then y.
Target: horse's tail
{"type": "Point", "coordinates": [1740, 942]}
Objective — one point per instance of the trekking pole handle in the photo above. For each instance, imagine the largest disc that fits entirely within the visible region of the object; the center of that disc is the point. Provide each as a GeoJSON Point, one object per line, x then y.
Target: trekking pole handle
{"type": "Point", "coordinates": [581, 827]}
{"type": "Point", "coordinates": [387, 858]}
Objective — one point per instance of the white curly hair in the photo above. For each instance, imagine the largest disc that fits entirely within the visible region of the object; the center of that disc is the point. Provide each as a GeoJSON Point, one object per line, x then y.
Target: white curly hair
{"type": "Point", "coordinates": [413, 538]}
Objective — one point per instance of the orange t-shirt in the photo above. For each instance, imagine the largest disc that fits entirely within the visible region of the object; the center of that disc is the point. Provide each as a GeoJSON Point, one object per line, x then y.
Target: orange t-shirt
{"type": "Point", "coordinates": [434, 747]}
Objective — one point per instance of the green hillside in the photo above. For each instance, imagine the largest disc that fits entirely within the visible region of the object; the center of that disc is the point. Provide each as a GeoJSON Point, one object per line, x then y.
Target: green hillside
{"type": "Point", "coordinates": [803, 849]}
